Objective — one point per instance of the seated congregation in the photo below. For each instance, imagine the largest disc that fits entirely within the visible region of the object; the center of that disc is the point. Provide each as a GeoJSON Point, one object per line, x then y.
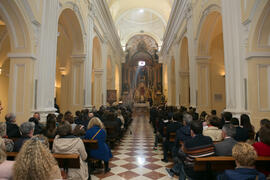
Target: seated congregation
{"type": "Point", "coordinates": [41, 151]}
{"type": "Point", "coordinates": [187, 137]}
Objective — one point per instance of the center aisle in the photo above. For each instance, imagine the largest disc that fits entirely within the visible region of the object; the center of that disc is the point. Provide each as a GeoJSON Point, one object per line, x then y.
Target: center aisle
{"type": "Point", "coordinates": [135, 158]}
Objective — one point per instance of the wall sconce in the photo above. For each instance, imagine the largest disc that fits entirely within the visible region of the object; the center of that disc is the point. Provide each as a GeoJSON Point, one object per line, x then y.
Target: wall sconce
{"type": "Point", "coordinates": [63, 71]}
{"type": "Point", "coordinates": [0, 70]}
{"type": "Point", "coordinates": [222, 74]}
{"type": "Point", "coordinates": [57, 85]}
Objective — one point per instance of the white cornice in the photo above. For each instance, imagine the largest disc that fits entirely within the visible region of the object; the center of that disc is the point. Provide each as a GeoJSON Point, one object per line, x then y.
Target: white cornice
{"type": "Point", "coordinates": [108, 28]}
{"type": "Point", "coordinates": [176, 19]}
{"type": "Point", "coordinates": [252, 55]}
{"type": "Point", "coordinates": [78, 56]}
{"type": "Point", "coordinates": [22, 55]}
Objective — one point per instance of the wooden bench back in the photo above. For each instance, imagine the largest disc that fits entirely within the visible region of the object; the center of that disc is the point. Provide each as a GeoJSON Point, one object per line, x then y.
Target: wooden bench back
{"type": "Point", "coordinates": [64, 160]}
{"type": "Point", "coordinates": [89, 144]}
{"type": "Point", "coordinates": [221, 163]}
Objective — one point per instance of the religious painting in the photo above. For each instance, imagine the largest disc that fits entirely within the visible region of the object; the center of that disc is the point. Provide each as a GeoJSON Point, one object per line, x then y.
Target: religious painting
{"type": "Point", "coordinates": [111, 96]}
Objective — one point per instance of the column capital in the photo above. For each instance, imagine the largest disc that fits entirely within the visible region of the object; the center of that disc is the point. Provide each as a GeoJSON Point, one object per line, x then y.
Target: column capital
{"type": "Point", "coordinates": [184, 73]}
{"type": "Point", "coordinates": [78, 56]}
{"type": "Point", "coordinates": [203, 59]}
{"type": "Point", "coordinates": [98, 71]}
{"type": "Point", "coordinates": [22, 55]}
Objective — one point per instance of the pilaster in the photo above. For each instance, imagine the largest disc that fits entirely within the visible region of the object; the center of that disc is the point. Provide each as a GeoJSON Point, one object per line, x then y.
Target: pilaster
{"type": "Point", "coordinates": [77, 75]}
{"type": "Point", "coordinates": [192, 59]}
{"type": "Point", "coordinates": [21, 86]}
{"type": "Point", "coordinates": [104, 63]}
{"type": "Point", "coordinates": [176, 54]}
{"type": "Point", "coordinates": [99, 93]}
{"type": "Point", "coordinates": [203, 93]}
{"type": "Point", "coordinates": [88, 60]}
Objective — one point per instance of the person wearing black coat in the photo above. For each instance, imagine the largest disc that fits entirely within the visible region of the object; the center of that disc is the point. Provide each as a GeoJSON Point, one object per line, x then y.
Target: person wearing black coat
{"type": "Point", "coordinates": [12, 128]}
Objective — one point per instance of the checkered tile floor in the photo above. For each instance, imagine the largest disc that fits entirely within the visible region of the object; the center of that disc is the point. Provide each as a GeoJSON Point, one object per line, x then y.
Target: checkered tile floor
{"type": "Point", "coordinates": [134, 158]}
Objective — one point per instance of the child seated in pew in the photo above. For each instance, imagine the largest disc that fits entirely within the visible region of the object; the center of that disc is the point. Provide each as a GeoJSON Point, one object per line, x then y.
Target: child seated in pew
{"type": "Point", "coordinates": [245, 157]}
{"type": "Point", "coordinates": [35, 161]}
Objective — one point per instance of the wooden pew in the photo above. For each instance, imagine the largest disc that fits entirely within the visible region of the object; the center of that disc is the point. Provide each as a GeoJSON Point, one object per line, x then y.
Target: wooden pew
{"type": "Point", "coordinates": [172, 137]}
{"type": "Point", "coordinates": [89, 144]}
{"type": "Point", "coordinates": [221, 163]}
{"type": "Point", "coordinates": [64, 160]}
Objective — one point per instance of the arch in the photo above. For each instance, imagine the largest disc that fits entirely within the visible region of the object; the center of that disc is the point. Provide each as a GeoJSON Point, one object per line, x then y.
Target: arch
{"type": "Point", "coordinates": [209, 9]}
{"type": "Point", "coordinates": [184, 61]}
{"type": "Point", "coordinates": [151, 34]}
{"type": "Point", "coordinates": [69, 61]}
{"type": "Point", "coordinates": [260, 33]}
{"type": "Point", "coordinates": [184, 73]}
{"type": "Point", "coordinates": [68, 19]}
{"type": "Point", "coordinates": [97, 59]}
{"type": "Point", "coordinates": [173, 82]}
{"type": "Point", "coordinates": [212, 21]}
{"type": "Point", "coordinates": [259, 64]}
{"type": "Point", "coordinates": [210, 64]}
{"type": "Point", "coordinates": [17, 25]}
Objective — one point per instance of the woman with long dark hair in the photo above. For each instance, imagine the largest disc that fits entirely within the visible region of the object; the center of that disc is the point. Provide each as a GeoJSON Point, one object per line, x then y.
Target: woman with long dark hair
{"type": "Point", "coordinates": [245, 123]}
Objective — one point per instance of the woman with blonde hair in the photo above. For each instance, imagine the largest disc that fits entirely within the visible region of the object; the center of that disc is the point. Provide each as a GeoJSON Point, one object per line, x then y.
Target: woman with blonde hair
{"type": "Point", "coordinates": [245, 157]}
{"type": "Point", "coordinates": [5, 166]}
{"type": "Point", "coordinates": [35, 161]}
{"type": "Point", "coordinates": [96, 132]}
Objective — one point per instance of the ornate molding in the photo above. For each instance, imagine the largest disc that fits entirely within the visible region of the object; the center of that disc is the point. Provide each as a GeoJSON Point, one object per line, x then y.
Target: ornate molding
{"type": "Point", "coordinates": [252, 55]}
{"type": "Point", "coordinates": [77, 56]}
{"type": "Point", "coordinates": [184, 73]}
{"type": "Point", "coordinates": [177, 16]}
{"type": "Point", "coordinates": [22, 55]}
{"type": "Point", "coordinates": [103, 17]}
{"type": "Point", "coordinates": [203, 57]}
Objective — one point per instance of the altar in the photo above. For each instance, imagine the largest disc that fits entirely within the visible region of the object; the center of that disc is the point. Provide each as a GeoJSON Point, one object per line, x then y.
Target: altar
{"type": "Point", "coordinates": [142, 105]}
{"type": "Point", "coordinates": [141, 72]}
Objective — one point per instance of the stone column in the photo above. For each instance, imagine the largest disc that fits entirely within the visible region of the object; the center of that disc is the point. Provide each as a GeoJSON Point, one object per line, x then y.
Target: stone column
{"type": "Point", "coordinates": [46, 64]}
{"type": "Point", "coordinates": [233, 56]}
{"type": "Point", "coordinates": [192, 58]}
{"type": "Point", "coordinates": [88, 60]}
{"type": "Point", "coordinates": [21, 85]}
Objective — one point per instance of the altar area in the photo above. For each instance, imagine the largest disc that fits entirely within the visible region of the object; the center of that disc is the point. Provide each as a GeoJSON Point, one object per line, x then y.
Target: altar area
{"type": "Point", "coordinates": [142, 73]}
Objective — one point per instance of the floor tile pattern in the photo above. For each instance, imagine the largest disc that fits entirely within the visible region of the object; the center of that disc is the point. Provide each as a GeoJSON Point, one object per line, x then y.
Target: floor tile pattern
{"type": "Point", "coordinates": [134, 158]}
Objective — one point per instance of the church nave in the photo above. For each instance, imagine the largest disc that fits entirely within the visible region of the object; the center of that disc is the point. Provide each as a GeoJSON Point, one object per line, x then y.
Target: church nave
{"type": "Point", "coordinates": [134, 158]}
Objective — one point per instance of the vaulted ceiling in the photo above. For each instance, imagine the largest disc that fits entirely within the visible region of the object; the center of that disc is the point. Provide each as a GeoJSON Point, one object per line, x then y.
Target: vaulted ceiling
{"type": "Point", "coordinates": [134, 17]}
